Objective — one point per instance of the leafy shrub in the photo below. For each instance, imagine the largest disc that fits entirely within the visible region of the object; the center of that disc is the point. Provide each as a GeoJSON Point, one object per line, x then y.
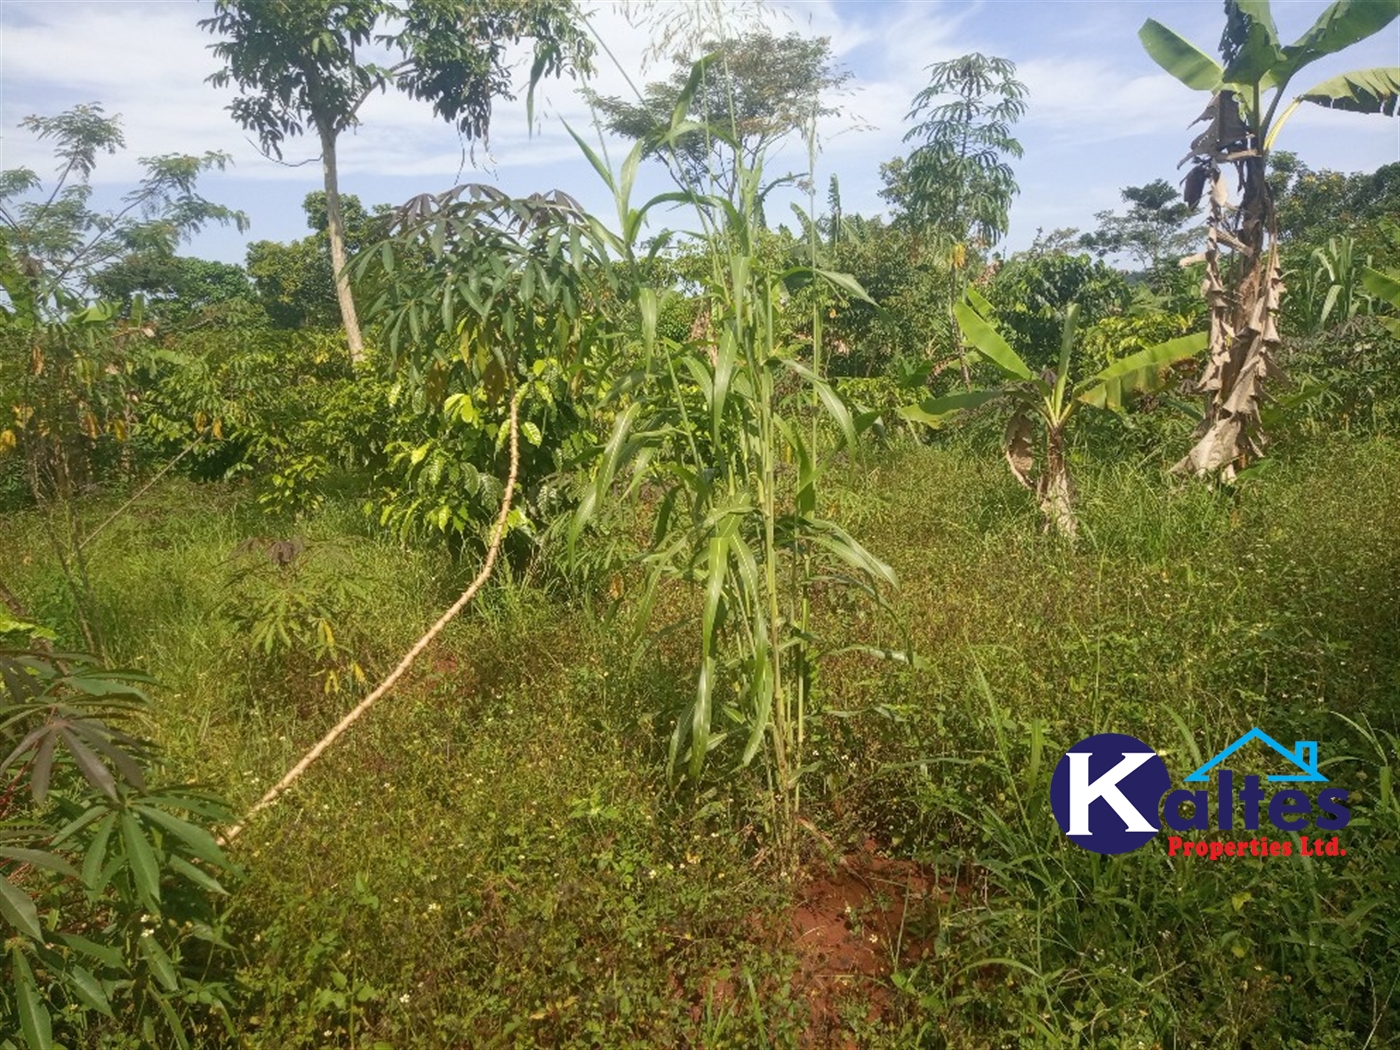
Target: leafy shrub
{"type": "Point", "coordinates": [104, 890]}
{"type": "Point", "coordinates": [291, 603]}
{"type": "Point", "coordinates": [1347, 379]}
{"type": "Point", "coordinates": [484, 300]}
{"type": "Point", "coordinates": [285, 409]}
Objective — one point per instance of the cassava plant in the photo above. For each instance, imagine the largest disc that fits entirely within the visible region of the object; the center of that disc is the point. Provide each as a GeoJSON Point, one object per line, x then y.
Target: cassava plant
{"type": "Point", "coordinates": [720, 430]}
{"type": "Point", "coordinates": [106, 880]}
{"type": "Point", "coordinates": [484, 298]}
{"type": "Point", "coordinates": [1047, 402]}
{"type": "Point", "coordinates": [1243, 286]}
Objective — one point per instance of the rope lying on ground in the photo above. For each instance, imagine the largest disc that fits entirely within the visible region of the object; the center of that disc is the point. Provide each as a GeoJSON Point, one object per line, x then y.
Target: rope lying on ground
{"type": "Point", "coordinates": [498, 533]}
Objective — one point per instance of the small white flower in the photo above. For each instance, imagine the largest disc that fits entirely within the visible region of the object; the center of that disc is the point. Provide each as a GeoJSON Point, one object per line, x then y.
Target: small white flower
{"type": "Point", "coordinates": [403, 999]}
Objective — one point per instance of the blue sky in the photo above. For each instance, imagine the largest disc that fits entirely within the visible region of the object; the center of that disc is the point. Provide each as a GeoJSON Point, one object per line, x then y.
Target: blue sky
{"type": "Point", "coordinates": [1101, 116]}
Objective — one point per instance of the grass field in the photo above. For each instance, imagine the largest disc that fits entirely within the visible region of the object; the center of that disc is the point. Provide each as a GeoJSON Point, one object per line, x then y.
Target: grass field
{"type": "Point", "coordinates": [494, 857]}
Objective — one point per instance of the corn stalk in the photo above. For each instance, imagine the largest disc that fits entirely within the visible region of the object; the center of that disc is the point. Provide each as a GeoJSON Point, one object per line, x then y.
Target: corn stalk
{"type": "Point", "coordinates": [712, 427]}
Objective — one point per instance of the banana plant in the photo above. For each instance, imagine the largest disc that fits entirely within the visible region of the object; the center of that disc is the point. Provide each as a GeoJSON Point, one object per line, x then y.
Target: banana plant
{"type": "Point", "coordinates": [1243, 119]}
{"type": "Point", "coordinates": [1385, 285]}
{"type": "Point", "coordinates": [1048, 401]}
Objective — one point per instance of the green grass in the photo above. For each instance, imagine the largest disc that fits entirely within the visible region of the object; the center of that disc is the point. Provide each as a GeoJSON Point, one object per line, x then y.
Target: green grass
{"type": "Point", "coordinates": [494, 858]}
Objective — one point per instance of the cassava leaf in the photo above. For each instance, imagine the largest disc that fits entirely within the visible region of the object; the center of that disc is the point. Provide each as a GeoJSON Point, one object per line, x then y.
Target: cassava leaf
{"type": "Point", "coordinates": [18, 910]}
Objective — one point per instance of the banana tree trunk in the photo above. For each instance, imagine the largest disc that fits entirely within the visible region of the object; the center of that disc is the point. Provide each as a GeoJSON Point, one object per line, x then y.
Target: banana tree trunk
{"type": "Point", "coordinates": [1243, 329]}
{"type": "Point", "coordinates": [1055, 490]}
{"type": "Point", "coordinates": [335, 229]}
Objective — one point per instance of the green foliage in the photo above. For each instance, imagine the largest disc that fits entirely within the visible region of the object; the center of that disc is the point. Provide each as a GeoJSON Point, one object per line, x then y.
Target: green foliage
{"type": "Point", "coordinates": [299, 65]}
{"type": "Point", "coordinates": [105, 892]}
{"type": "Point", "coordinates": [64, 389]}
{"type": "Point", "coordinates": [65, 364]}
{"type": "Point", "coordinates": [177, 290]}
{"type": "Point", "coordinates": [282, 408]}
{"type": "Point", "coordinates": [1031, 292]}
{"type": "Point", "coordinates": [1047, 402]}
{"type": "Point", "coordinates": [956, 183]}
{"type": "Point", "coordinates": [1345, 380]}
{"type": "Point", "coordinates": [1330, 291]}
{"type": "Point", "coordinates": [1121, 335]}
{"type": "Point", "coordinates": [906, 279]}
{"type": "Point", "coordinates": [290, 603]}
{"type": "Point", "coordinates": [483, 298]}
{"type": "Point", "coordinates": [1151, 232]}
{"type": "Point", "coordinates": [362, 893]}
{"type": "Point", "coordinates": [60, 241]}
{"type": "Point", "coordinates": [295, 282]}
{"type": "Point", "coordinates": [1313, 205]}
{"type": "Point", "coordinates": [707, 426]}
{"type": "Point", "coordinates": [302, 67]}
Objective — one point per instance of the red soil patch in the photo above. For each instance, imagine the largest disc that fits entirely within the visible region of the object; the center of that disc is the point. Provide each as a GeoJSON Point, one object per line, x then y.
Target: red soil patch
{"type": "Point", "coordinates": [848, 928]}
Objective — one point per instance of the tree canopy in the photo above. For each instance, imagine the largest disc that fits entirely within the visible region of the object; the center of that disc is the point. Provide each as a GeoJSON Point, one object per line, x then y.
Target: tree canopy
{"type": "Point", "coordinates": [62, 241]}
{"type": "Point", "coordinates": [754, 90]}
{"type": "Point", "coordinates": [308, 66]}
{"type": "Point", "coordinates": [957, 182]}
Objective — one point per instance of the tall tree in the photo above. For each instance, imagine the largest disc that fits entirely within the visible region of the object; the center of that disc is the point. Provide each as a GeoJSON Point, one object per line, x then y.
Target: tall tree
{"type": "Point", "coordinates": [956, 187]}
{"type": "Point", "coordinates": [1151, 230]}
{"type": "Point", "coordinates": [61, 241]}
{"type": "Point", "coordinates": [1242, 121]}
{"type": "Point", "coordinates": [755, 90]}
{"type": "Point", "coordinates": [305, 66]}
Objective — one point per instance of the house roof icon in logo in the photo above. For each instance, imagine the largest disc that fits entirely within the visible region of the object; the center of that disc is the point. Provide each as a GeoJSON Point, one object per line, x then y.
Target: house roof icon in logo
{"type": "Point", "coordinates": [1303, 755]}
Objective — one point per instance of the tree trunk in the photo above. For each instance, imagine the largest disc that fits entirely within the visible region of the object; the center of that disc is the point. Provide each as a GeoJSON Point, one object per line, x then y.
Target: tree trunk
{"type": "Point", "coordinates": [1243, 329]}
{"type": "Point", "coordinates": [335, 229]}
{"type": "Point", "coordinates": [1055, 490]}
{"type": "Point", "coordinates": [955, 293]}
